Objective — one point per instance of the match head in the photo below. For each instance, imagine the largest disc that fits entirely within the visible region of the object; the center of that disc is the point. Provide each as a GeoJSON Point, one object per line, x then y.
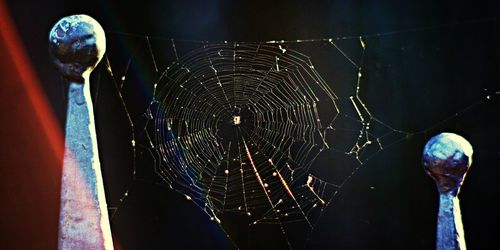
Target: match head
{"type": "Point", "coordinates": [446, 158]}
{"type": "Point", "coordinates": [76, 45]}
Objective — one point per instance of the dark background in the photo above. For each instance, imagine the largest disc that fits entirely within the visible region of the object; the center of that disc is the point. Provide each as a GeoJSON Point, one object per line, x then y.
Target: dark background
{"type": "Point", "coordinates": [431, 73]}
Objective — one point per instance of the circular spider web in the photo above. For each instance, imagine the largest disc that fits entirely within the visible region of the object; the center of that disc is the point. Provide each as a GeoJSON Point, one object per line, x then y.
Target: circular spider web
{"type": "Point", "coordinates": [237, 127]}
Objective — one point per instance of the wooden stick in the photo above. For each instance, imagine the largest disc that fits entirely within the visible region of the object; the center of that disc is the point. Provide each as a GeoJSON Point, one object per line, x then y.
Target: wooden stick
{"type": "Point", "coordinates": [76, 45]}
{"type": "Point", "coordinates": [446, 158]}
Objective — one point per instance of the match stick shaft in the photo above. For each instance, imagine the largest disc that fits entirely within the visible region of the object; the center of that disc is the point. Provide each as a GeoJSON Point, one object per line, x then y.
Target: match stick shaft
{"type": "Point", "coordinates": [450, 232]}
{"type": "Point", "coordinates": [84, 222]}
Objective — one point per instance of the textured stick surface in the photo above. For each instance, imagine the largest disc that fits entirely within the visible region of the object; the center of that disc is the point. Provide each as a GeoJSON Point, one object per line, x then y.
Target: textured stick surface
{"type": "Point", "coordinates": [450, 232]}
{"type": "Point", "coordinates": [76, 45]}
{"type": "Point", "coordinates": [83, 222]}
{"type": "Point", "coordinates": [447, 158]}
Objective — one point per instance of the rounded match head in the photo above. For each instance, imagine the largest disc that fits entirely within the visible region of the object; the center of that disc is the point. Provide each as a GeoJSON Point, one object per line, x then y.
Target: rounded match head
{"type": "Point", "coordinates": [76, 45]}
{"type": "Point", "coordinates": [446, 158]}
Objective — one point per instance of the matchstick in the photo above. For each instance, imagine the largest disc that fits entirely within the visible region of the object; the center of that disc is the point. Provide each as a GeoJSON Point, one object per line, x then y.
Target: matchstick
{"type": "Point", "coordinates": [447, 158]}
{"type": "Point", "coordinates": [76, 45]}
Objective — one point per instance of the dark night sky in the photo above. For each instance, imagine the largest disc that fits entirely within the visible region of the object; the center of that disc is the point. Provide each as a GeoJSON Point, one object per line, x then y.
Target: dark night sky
{"type": "Point", "coordinates": [441, 59]}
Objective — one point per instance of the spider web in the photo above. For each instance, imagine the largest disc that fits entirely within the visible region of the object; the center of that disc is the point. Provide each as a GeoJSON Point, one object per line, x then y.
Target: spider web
{"type": "Point", "coordinates": [237, 127]}
{"type": "Point", "coordinates": [287, 115]}
{"type": "Point", "coordinates": [260, 167]}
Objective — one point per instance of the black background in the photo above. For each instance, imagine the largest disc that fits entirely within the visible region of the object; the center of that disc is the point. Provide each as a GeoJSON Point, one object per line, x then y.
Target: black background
{"type": "Point", "coordinates": [441, 59]}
